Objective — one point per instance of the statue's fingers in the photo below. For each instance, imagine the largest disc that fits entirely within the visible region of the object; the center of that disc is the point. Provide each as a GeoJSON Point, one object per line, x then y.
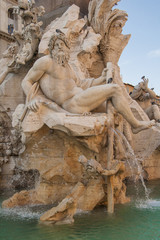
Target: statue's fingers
{"type": "Point", "coordinates": [32, 106]}
{"type": "Point", "coordinates": [35, 107]}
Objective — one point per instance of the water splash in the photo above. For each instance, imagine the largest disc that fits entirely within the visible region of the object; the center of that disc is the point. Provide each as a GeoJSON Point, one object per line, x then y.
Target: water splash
{"type": "Point", "coordinates": [149, 204]}
{"type": "Point", "coordinates": [20, 213]}
{"type": "Point", "coordinates": [132, 159]}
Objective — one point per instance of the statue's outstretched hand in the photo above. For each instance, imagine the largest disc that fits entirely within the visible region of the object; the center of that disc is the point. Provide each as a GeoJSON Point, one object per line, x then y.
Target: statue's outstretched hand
{"type": "Point", "coordinates": [100, 80]}
{"type": "Point", "coordinates": [145, 84]}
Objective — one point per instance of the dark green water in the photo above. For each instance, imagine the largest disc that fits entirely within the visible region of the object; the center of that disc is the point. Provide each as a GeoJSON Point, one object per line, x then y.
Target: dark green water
{"type": "Point", "coordinates": [138, 220]}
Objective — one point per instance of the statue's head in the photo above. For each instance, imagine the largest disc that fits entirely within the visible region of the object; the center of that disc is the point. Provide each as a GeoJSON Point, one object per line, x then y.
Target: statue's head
{"type": "Point", "coordinates": [58, 36]}
{"type": "Point", "coordinates": [59, 47]}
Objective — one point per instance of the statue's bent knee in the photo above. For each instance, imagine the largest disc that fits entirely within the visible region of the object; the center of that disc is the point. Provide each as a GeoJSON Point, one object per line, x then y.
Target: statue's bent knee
{"type": "Point", "coordinates": [116, 88]}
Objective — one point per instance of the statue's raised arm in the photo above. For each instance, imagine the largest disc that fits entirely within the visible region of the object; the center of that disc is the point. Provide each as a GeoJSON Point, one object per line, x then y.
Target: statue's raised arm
{"type": "Point", "coordinates": [145, 97]}
{"type": "Point", "coordinates": [142, 90]}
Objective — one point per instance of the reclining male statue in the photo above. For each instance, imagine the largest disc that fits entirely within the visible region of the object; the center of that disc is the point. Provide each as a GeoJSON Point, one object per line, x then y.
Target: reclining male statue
{"type": "Point", "coordinates": [146, 99]}
{"type": "Point", "coordinates": [57, 87]}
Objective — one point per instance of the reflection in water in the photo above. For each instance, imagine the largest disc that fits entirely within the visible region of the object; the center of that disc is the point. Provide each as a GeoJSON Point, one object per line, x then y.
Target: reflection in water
{"type": "Point", "coordinates": [138, 220]}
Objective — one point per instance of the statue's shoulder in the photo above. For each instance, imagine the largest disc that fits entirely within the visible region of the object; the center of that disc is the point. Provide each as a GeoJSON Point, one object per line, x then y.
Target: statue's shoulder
{"type": "Point", "coordinates": [45, 58]}
{"type": "Point", "coordinates": [43, 62]}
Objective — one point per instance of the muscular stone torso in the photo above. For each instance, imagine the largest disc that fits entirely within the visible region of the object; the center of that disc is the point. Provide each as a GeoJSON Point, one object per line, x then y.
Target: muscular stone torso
{"type": "Point", "coordinates": [59, 85]}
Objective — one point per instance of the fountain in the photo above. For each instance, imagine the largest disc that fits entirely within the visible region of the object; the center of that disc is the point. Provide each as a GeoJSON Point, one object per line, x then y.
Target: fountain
{"type": "Point", "coordinates": [64, 147]}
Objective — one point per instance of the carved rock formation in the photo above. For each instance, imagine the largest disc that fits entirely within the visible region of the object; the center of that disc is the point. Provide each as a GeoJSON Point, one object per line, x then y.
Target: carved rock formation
{"type": "Point", "coordinates": [66, 209]}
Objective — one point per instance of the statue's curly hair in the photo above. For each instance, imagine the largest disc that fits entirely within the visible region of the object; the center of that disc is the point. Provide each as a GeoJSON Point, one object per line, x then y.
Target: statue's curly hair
{"type": "Point", "coordinates": [58, 35]}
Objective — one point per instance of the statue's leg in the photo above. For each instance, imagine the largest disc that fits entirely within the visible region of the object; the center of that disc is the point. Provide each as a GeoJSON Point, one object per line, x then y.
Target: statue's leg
{"type": "Point", "coordinates": [91, 98]}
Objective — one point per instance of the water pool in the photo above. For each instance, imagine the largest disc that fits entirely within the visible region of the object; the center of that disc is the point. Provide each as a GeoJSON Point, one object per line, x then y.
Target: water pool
{"type": "Point", "coordinates": [137, 220]}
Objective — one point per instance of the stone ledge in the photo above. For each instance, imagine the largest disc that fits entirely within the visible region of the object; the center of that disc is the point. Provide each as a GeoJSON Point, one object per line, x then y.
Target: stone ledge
{"type": "Point", "coordinates": [6, 36]}
{"type": "Point", "coordinates": [72, 124]}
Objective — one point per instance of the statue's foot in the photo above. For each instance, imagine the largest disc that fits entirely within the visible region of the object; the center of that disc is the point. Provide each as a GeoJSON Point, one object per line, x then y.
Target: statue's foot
{"type": "Point", "coordinates": [143, 125]}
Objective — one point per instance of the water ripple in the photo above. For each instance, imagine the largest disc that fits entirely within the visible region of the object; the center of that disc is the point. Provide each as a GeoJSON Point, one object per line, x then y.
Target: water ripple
{"type": "Point", "coordinates": [138, 220]}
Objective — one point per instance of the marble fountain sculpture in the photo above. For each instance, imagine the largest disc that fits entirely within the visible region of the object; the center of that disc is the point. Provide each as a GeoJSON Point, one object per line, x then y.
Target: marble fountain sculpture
{"type": "Point", "coordinates": [70, 113]}
{"type": "Point", "coordinates": [145, 97]}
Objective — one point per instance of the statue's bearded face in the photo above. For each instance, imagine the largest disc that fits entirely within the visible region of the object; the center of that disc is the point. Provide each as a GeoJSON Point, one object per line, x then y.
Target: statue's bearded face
{"type": "Point", "coordinates": [60, 52]}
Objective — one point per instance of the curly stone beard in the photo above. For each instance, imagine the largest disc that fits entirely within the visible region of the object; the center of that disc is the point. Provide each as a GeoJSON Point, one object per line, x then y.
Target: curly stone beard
{"type": "Point", "coordinates": [60, 57]}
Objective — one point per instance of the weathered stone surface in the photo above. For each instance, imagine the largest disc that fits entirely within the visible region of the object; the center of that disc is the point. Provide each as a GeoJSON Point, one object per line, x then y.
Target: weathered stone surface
{"type": "Point", "coordinates": [44, 194]}
{"type": "Point", "coordinates": [51, 5]}
{"type": "Point", "coordinates": [151, 165]}
{"type": "Point", "coordinates": [110, 27]}
{"type": "Point", "coordinates": [55, 155]}
{"type": "Point", "coordinates": [17, 200]}
{"type": "Point", "coordinates": [10, 145]}
{"type": "Point", "coordinates": [60, 170]}
{"type": "Point", "coordinates": [92, 195]}
{"type": "Point", "coordinates": [67, 20]}
{"type": "Point", "coordinates": [55, 9]}
{"type": "Point", "coordinates": [66, 209]}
